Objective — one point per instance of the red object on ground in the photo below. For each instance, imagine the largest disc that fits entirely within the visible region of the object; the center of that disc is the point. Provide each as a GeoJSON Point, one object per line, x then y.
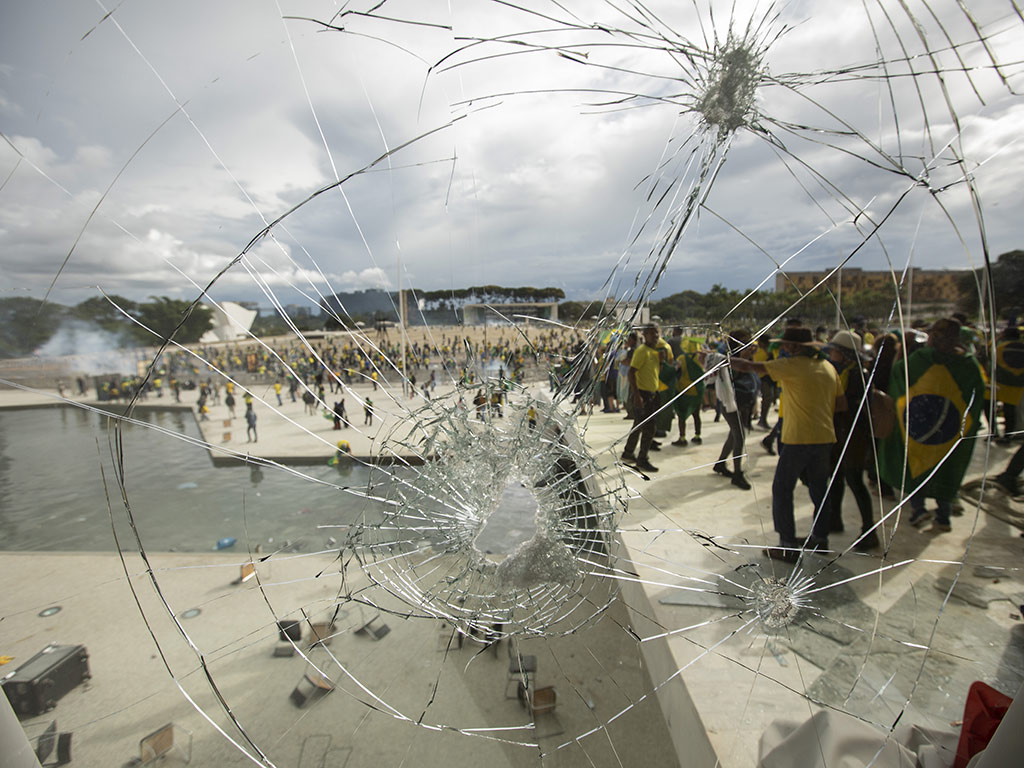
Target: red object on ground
{"type": "Point", "coordinates": [983, 712]}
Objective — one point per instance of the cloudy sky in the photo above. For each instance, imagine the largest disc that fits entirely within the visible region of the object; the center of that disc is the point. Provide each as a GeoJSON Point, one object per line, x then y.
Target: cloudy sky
{"type": "Point", "coordinates": [147, 143]}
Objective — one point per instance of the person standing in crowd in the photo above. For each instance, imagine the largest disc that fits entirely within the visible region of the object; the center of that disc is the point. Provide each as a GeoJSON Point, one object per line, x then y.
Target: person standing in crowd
{"type": "Point", "coordinates": [775, 351]}
{"type": "Point", "coordinates": [667, 376]}
{"type": "Point", "coordinates": [886, 349]}
{"type": "Point", "coordinates": [853, 439]}
{"type": "Point", "coordinates": [625, 356]}
{"type": "Point", "coordinates": [812, 396]}
{"type": "Point", "coordinates": [250, 424]}
{"type": "Point", "coordinates": [675, 342]}
{"type": "Point", "coordinates": [1009, 478]}
{"type": "Point", "coordinates": [368, 413]}
{"type": "Point", "coordinates": [769, 391]}
{"type": "Point", "coordinates": [690, 388]}
{"type": "Point", "coordinates": [643, 387]}
{"type": "Point", "coordinates": [1009, 380]}
{"type": "Point", "coordinates": [726, 393]}
{"type": "Point", "coordinates": [939, 393]}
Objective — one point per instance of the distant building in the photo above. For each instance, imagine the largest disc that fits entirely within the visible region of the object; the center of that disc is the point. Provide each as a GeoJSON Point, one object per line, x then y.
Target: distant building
{"type": "Point", "coordinates": [496, 314]}
{"type": "Point", "coordinates": [296, 311]}
{"type": "Point", "coordinates": [230, 321]}
{"type": "Point", "coordinates": [626, 312]}
{"type": "Point", "coordinates": [923, 285]}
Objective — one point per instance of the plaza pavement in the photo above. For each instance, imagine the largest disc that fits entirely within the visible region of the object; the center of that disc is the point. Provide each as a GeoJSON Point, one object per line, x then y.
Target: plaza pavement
{"type": "Point", "coordinates": [720, 677]}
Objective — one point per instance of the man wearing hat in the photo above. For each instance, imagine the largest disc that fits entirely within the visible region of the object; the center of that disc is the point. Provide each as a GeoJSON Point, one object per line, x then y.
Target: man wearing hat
{"type": "Point", "coordinates": [853, 439]}
{"type": "Point", "coordinates": [813, 394]}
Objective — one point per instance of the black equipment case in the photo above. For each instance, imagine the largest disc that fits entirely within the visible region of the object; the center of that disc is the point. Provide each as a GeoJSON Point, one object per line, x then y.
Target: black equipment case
{"type": "Point", "coordinates": [35, 686]}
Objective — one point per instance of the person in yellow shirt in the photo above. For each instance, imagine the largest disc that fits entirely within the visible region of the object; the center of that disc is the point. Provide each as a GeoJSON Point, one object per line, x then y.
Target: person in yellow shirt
{"type": "Point", "coordinates": [813, 395]}
{"type": "Point", "coordinates": [643, 393]}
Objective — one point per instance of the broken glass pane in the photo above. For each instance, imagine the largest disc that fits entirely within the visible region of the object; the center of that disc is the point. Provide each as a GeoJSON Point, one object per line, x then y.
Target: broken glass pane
{"type": "Point", "coordinates": [297, 154]}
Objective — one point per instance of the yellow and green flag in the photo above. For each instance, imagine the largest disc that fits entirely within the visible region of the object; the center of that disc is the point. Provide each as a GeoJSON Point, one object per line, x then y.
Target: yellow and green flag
{"type": "Point", "coordinates": [1010, 372]}
{"type": "Point", "coordinates": [937, 418]}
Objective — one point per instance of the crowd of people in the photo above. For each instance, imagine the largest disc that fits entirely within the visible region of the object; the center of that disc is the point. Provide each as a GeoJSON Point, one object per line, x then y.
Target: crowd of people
{"type": "Point", "coordinates": [903, 408]}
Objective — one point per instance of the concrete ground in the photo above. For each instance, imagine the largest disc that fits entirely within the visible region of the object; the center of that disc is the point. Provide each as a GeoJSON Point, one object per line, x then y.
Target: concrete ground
{"type": "Point", "coordinates": [880, 633]}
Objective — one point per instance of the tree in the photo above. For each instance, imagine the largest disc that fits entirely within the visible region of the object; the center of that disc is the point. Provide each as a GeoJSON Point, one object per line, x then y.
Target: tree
{"type": "Point", "coordinates": [26, 324]}
{"type": "Point", "coordinates": [163, 315]}
{"type": "Point", "coordinates": [571, 311]}
{"type": "Point", "coordinates": [1007, 280]}
{"type": "Point", "coordinates": [104, 312]}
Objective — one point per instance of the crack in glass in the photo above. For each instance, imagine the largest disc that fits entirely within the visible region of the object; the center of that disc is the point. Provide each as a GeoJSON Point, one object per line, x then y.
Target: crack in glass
{"type": "Point", "coordinates": [503, 527]}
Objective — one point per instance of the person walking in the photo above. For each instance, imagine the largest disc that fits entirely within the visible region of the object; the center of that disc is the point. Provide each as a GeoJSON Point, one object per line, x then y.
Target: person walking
{"type": "Point", "coordinates": [939, 393]}
{"type": "Point", "coordinates": [250, 424]}
{"type": "Point", "coordinates": [853, 440]}
{"type": "Point", "coordinates": [643, 388]}
{"type": "Point", "coordinates": [726, 394]}
{"type": "Point", "coordinates": [813, 395]}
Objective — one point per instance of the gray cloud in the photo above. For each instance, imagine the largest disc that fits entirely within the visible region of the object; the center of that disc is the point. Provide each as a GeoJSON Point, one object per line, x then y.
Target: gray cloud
{"type": "Point", "coordinates": [542, 188]}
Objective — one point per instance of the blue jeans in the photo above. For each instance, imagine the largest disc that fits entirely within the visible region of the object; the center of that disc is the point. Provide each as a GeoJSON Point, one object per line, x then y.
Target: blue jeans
{"type": "Point", "coordinates": [794, 460]}
{"type": "Point", "coordinates": [945, 508]}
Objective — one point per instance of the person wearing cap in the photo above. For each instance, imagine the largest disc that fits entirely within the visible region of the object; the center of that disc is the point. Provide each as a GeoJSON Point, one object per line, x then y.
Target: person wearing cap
{"type": "Point", "coordinates": [812, 396]}
{"type": "Point", "coordinates": [853, 439]}
{"type": "Point", "coordinates": [939, 392]}
{"type": "Point", "coordinates": [643, 393]}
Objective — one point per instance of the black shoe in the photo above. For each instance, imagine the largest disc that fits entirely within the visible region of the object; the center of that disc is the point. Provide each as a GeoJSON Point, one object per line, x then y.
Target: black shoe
{"type": "Point", "coordinates": [783, 555]}
{"type": "Point", "coordinates": [740, 481]}
{"type": "Point", "coordinates": [816, 543]}
{"type": "Point", "coordinates": [696, 440]}
{"type": "Point", "coordinates": [767, 445]}
{"type": "Point", "coordinates": [627, 456]}
{"type": "Point", "coordinates": [867, 542]}
{"type": "Point", "coordinates": [720, 468]}
{"type": "Point", "coordinates": [1007, 482]}
{"type": "Point", "coordinates": [919, 518]}
{"type": "Point", "coordinates": [681, 442]}
{"type": "Point", "coordinates": [645, 466]}
{"type": "Point", "coordinates": [655, 446]}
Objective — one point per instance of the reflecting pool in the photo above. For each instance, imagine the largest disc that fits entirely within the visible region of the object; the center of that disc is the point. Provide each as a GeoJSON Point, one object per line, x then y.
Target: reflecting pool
{"type": "Point", "coordinates": [52, 495]}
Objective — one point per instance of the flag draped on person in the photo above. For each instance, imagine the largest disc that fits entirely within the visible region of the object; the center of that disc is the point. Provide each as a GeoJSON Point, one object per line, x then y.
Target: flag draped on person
{"type": "Point", "coordinates": [938, 401]}
{"type": "Point", "coordinates": [690, 385]}
{"type": "Point", "coordinates": [1010, 372]}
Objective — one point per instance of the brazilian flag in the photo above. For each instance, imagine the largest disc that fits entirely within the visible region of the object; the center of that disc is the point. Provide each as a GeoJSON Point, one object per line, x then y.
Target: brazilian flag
{"type": "Point", "coordinates": [667, 390]}
{"type": "Point", "coordinates": [936, 416]}
{"type": "Point", "coordinates": [1010, 372]}
{"type": "Point", "coordinates": [692, 394]}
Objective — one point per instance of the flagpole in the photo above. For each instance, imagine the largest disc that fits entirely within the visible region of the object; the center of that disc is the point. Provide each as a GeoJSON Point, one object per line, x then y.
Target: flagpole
{"type": "Point", "coordinates": [401, 323]}
{"type": "Point", "coordinates": [839, 298]}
